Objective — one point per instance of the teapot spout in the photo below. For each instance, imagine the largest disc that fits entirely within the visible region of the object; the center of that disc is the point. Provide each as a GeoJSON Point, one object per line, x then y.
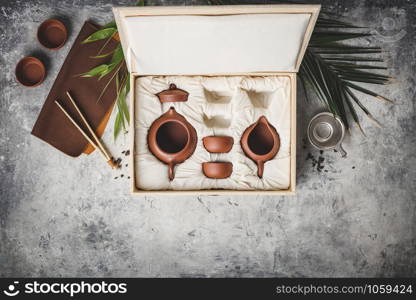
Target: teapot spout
{"type": "Point", "coordinates": [260, 169]}
{"type": "Point", "coordinates": [171, 173]}
{"type": "Point", "coordinates": [263, 120]}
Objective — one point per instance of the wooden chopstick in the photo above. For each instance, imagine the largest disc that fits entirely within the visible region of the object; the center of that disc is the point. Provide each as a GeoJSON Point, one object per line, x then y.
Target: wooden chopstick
{"type": "Point", "coordinates": [109, 161]}
{"type": "Point", "coordinates": [100, 145]}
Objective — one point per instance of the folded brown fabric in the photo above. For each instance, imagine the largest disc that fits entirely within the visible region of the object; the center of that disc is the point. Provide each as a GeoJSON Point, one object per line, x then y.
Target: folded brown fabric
{"type": "Point", "coordinates": [52, 126]}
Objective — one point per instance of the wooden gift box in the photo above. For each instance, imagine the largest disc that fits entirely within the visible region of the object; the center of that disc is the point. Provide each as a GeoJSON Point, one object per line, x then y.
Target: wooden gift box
{"type": "Point", "coordinates": [290, 27]}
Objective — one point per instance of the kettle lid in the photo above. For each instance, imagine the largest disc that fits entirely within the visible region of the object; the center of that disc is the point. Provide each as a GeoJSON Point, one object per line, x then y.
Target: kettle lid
{"type": "Point", "coordinates": [173, 94]}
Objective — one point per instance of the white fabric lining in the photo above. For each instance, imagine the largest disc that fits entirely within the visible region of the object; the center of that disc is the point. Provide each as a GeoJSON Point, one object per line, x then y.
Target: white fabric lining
{"type": "Point", "coordinates": [216, 106]}
{"type": "Point", "coordinates": [191, 45]}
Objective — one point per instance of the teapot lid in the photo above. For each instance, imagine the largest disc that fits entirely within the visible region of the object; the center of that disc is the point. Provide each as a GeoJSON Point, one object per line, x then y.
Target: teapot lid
{"type": "Point", "coordinates": [173, 94]}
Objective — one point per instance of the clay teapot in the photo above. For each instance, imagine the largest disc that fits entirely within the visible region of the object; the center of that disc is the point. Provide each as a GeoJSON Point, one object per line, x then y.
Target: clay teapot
{"type": "Point", "coordinates": [260, 142]}
{"type": "Point", "coordinates": [172, 139]}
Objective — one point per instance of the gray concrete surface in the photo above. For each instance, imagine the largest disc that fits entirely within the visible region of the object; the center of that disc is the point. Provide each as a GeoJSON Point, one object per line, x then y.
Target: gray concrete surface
{"type": "Point", "coordinates": [69, 217]}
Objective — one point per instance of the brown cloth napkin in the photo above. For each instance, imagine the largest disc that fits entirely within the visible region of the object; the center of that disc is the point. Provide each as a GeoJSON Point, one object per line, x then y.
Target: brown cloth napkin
{"type": "Point", "coordinates": [52, 126]}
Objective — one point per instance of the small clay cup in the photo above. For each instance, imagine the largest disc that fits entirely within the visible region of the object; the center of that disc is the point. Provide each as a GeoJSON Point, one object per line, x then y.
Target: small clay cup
{"type": "Point", "coordinates": [52, 34]}
{"type": "Point", "coordinates": [218, 144]}
{"type": "Point", "coordinates": [30, 71]}
{"type": "Point", "coordinates": [217, 170]}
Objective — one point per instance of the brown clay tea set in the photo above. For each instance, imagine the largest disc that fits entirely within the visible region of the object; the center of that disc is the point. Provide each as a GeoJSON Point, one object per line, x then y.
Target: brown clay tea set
{"type": "Point", "coordinates": [172, 139]}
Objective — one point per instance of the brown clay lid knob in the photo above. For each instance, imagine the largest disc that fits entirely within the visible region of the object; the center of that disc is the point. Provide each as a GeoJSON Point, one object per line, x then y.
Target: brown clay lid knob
{"type": "Point", "coordinates": [173, 94]}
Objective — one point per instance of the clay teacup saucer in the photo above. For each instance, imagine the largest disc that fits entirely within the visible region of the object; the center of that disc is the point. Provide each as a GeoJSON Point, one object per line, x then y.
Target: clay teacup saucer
{"type": "Point", "coordinates": [217, 170]}
{"type": "Point", "coordinates": [30, 71]}
{"type": "Point", "coordinates": [52, 34]}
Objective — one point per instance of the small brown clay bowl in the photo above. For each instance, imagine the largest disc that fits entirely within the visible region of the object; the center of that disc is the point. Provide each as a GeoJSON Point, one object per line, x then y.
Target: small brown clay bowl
{"type": "Point", "coordinates": [217, 170]}
{"type": "Point", "coordinates": [218, 144]}
{"type": "Point", "coordinates": [52, 34]}
{"type": "Point", "coordinates": [30, 71]}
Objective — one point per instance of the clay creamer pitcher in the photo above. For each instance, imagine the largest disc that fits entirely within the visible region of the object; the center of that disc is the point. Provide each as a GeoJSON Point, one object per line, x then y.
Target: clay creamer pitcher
{"type": "Point", "coordinates": [260, 142]}
{"type": "Point", "coordinates": [172, 139]}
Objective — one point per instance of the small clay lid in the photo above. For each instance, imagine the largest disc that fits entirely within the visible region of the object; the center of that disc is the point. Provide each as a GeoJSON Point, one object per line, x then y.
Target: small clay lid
{"type": "Point", "coordinates": [173, 94]}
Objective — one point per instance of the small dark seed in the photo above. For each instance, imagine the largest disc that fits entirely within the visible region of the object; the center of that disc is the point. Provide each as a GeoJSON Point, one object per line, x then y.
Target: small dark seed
{"type": "Point", "coordinates": [121, 175]}
{"type": "Point", "coordinates": [115, 177]}
{"type": "Point", "coordinates": [127, 153]}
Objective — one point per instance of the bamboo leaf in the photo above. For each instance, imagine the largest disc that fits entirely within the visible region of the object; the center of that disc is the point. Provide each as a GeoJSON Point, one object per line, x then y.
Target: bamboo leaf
{"type": "Point", "coordinates": [97, 71]}
{"type": "Point", "coordinates": [103, 55]}
{"type": "Point", "coordinates": [117, 125]}
{"type": "Point", "coordinates": [112, 24]}
{"type": "Point", "coordinates": [108, 83]}
{"type": "Point", "coordinates": [100, 35]}
{"type": "Point", "coordinates": [110, 68]}
{"type": "Point", "coordinates": [123, 104]}
{"type": "Point", "coordinates": [117, 55]}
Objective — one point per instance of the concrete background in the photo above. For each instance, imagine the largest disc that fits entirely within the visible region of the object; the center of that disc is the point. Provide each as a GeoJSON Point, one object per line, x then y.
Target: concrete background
{"type": "Point", "coordinates": [69, 217]}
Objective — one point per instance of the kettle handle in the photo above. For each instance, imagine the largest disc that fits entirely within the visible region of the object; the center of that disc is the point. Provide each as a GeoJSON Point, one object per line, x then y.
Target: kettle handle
{"type": "Point", "coordinates": [341, 150]}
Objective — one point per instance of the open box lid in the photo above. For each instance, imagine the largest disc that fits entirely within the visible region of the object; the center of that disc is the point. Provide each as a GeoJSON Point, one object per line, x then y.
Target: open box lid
{"type": "Point", "coordinates": [203, 40]}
